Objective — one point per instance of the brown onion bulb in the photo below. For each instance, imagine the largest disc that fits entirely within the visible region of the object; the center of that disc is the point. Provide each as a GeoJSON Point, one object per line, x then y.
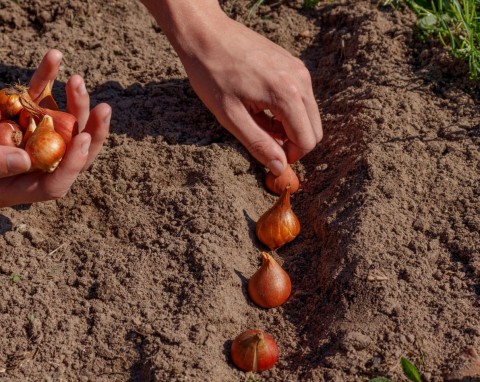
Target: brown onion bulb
{"type": "Point", "coordinates": [10, 104]}
{"type": "Point", "coordinates": [45, 146]}
{"type": "Point", "coordinates": [10, 134]}
{"type": "Point", "coordinates": [270, 286]}
{"type": "Point", "coordinates": [65, 123]}
{"type": "Point", "coordinates": [45, 99]}
{"type": "Point", "coordinates": [24, 118]}
{"type": "Point", "coordinates": [254, 350]}
{"type": "Point", "coordinates": [277, 184]}
{"type": "Point", "coordinates": [279, 225]}
{"type": "Point", "coordinates": [32, 126]}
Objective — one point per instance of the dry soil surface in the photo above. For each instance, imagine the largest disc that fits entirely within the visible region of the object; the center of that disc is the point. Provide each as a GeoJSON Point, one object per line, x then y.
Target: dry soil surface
{"type": "Point", "coordinates": [139, 273]}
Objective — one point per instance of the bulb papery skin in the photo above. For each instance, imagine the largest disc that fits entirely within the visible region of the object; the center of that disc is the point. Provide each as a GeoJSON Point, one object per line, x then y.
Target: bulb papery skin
{"type": "Point", "coordinates": [279, 225]}
{"type": "Point", "coordinates": [45, 98]}
{"type": "Point", "coordinates": [32, 126]}
{"type": "Point", "coordinates": [254, 350]}
{"type": "Point", "coordinates": [277, 184]}
{"type": "Point", "coordinates": [270, 286]}
{"type": "Point", "coordinates": [10, 104]}
{"type": "Point", "coordinates": [24, 118]}
{"type": "Point", "coordinates": [10, 134]}
{"type": "Point", "coordinates": [45, 146]}
{"type": "Point", "coordinates": [65, 123]}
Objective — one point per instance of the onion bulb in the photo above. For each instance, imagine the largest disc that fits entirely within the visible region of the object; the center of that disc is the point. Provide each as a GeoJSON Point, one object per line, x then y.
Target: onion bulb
{"type": "Point", "coordinates": [270, 286]}
{"type": "Point", "coordinates": [32, 126]}
{"type": "Point", "coordinates": [65, 123]}
{"type": "Point", "coordinates": [45, 146]}
{"type": "Point", "coordinates": [277, 184]}
{"type": "Point", "coordinates": [10, 104]}
{"type": "Point", "coordinates": [45, 99]}
{"type": "Point", "coordinates": [254, 350]}
{"type": "Point", "coordinates": [24, 118]}
{"type": "Point", "coordinates": [10, 134]}
{"type": "Point", "coordinates": [279, 225]}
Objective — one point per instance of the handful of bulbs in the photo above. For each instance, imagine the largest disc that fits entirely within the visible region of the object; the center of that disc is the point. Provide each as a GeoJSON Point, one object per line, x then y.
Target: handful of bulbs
{"type": "Point", "coordinates": [37, 126]}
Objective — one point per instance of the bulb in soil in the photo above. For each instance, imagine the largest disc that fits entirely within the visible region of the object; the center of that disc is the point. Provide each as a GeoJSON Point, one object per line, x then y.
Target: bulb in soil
{"type": "Point", "coordinates": [254, 350]}
{"type": "Point", "coordinates": [270, 286]}
{"type": "Point", "coordinates": [279, 225]}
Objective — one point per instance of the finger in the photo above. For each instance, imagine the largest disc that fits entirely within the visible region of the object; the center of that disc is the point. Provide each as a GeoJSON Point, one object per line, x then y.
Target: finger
{"type": "Point", "coordinates": [38, 186]}
{"type": "Point", "coordinates": [271, 125]}
{"type": "Point", "coordinates": [291, 112]}
{"type": "Point", "coordinates": [257, 141]}
{"type": "Point", "coordinates": [13, 161]}
{"type": "Point", "coordinates": [98, 125]}
{"type": "Point", "coordinates": [78, 100]}
{"type": "Point", "coordinates": [304, 83]}
{"type": "Point", "coordinates": [46, 71]}
{"type": "Point", "coordinates": [314, 114]}
{"type": "Point", "coordinates": [57, 184]}
{"type": "Point", "coordinates": [293, 151]}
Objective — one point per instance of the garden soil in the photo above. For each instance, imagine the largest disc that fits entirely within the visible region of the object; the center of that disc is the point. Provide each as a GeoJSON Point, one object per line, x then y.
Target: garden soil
{"type": "Point", "coordinates": [139, 273]}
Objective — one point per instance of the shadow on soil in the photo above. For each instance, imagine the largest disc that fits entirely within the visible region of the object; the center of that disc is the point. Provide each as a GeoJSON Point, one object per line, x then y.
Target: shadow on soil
{"type": "Point", "coordinates": [320, 272]}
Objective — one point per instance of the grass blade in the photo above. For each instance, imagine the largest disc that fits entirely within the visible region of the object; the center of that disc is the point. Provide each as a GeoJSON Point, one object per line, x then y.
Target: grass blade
{"type": "Point", "coordinates": [410, 371]}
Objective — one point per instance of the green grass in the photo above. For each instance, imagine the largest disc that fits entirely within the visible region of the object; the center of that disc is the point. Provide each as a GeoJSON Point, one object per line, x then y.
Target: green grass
{"type": "Point", "coordinates": [456, 23]}
{"type": "Point", "coordinates": [310, 3]}
{"type": "Point", "coordinates": [15, 278]}
{"type": "Point", "coordinates": [409, 370]}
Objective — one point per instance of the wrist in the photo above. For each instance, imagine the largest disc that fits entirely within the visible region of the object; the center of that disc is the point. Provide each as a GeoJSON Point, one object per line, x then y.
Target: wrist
{"type": "Point", "coordinates": [189, 26]}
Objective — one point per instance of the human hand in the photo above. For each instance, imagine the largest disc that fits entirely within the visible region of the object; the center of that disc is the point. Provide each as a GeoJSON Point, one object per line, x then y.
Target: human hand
{"type": "Point", "coordinates": [239, 74]}
{"type": "Point", "coordinates": [16, 185]}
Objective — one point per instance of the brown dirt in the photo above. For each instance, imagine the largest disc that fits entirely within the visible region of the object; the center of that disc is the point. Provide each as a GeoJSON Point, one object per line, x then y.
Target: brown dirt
{"type": "Point", "coordinates": [139, 273]}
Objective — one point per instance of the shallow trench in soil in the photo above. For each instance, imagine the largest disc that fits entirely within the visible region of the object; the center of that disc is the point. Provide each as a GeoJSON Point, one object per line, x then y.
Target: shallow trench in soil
{"type": "Point", "coordinates": [139, 273]}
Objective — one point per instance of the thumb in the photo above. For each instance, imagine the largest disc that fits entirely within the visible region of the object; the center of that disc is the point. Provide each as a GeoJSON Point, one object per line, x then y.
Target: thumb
{"type": "Point", "coordinates": [72, 163]}
{"type": "Point", "coordinates": [13, 161]}
{"type": "Point", "coordinates": [261, 145]}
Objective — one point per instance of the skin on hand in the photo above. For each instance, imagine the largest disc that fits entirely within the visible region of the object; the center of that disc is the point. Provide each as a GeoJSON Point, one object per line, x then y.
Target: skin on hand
{"type": "Point", "coordinates": [240, 74]}
{"type": "Point", "coordinates": [16, 186]}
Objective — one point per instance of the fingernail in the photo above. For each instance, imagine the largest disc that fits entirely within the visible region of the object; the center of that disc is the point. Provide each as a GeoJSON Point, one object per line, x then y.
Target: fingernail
{"type": "Point", "coordinates": [85, 147]}
{"type": "Point", "coordinates": [81, 89]}
{"type": "Point", "coordinates": [106, 119]}
{"type": "Point", "coordinates": [276, 167]}
{"type": "Point", "coordinates": [16, 163]}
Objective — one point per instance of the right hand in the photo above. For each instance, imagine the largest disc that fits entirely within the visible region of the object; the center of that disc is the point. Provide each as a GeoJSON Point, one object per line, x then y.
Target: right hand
{"type": "Point", "coordinates": [238, 74]}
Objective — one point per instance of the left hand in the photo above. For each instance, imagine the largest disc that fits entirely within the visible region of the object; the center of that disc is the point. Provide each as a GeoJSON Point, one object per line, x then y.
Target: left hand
{"type": "Point", "coordinates": [17, 186]}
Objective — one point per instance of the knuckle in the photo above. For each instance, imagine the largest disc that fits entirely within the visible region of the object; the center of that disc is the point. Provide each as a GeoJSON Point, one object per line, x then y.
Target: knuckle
{"type": "Point", "coordinates": [55, 194]}
{"type": "Point", "coordinates": [225, 110]}
{"type": "Point", "coordinates": [298, 62]}
{"type": "Point", "coordinates": [301, 71]}
{"type": "Point", "coordinates": [290, 90]}
{"type": "Point", "coordinates": [258, 149]}
{"type": "Point", "coordinates": [309, 145]}
{"type": "Point", "coordinates": [319, 135]}
{"type": "Point", "coordinates": [286, 89]}
{"type": "Point", "coordinates": [224, 102]}
{"type": "Point", "coordinates": [305, 77]}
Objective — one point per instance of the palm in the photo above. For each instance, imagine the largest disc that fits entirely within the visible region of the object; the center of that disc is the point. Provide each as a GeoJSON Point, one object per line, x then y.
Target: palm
{"type": "Point", "coordinates": [81, 151]}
